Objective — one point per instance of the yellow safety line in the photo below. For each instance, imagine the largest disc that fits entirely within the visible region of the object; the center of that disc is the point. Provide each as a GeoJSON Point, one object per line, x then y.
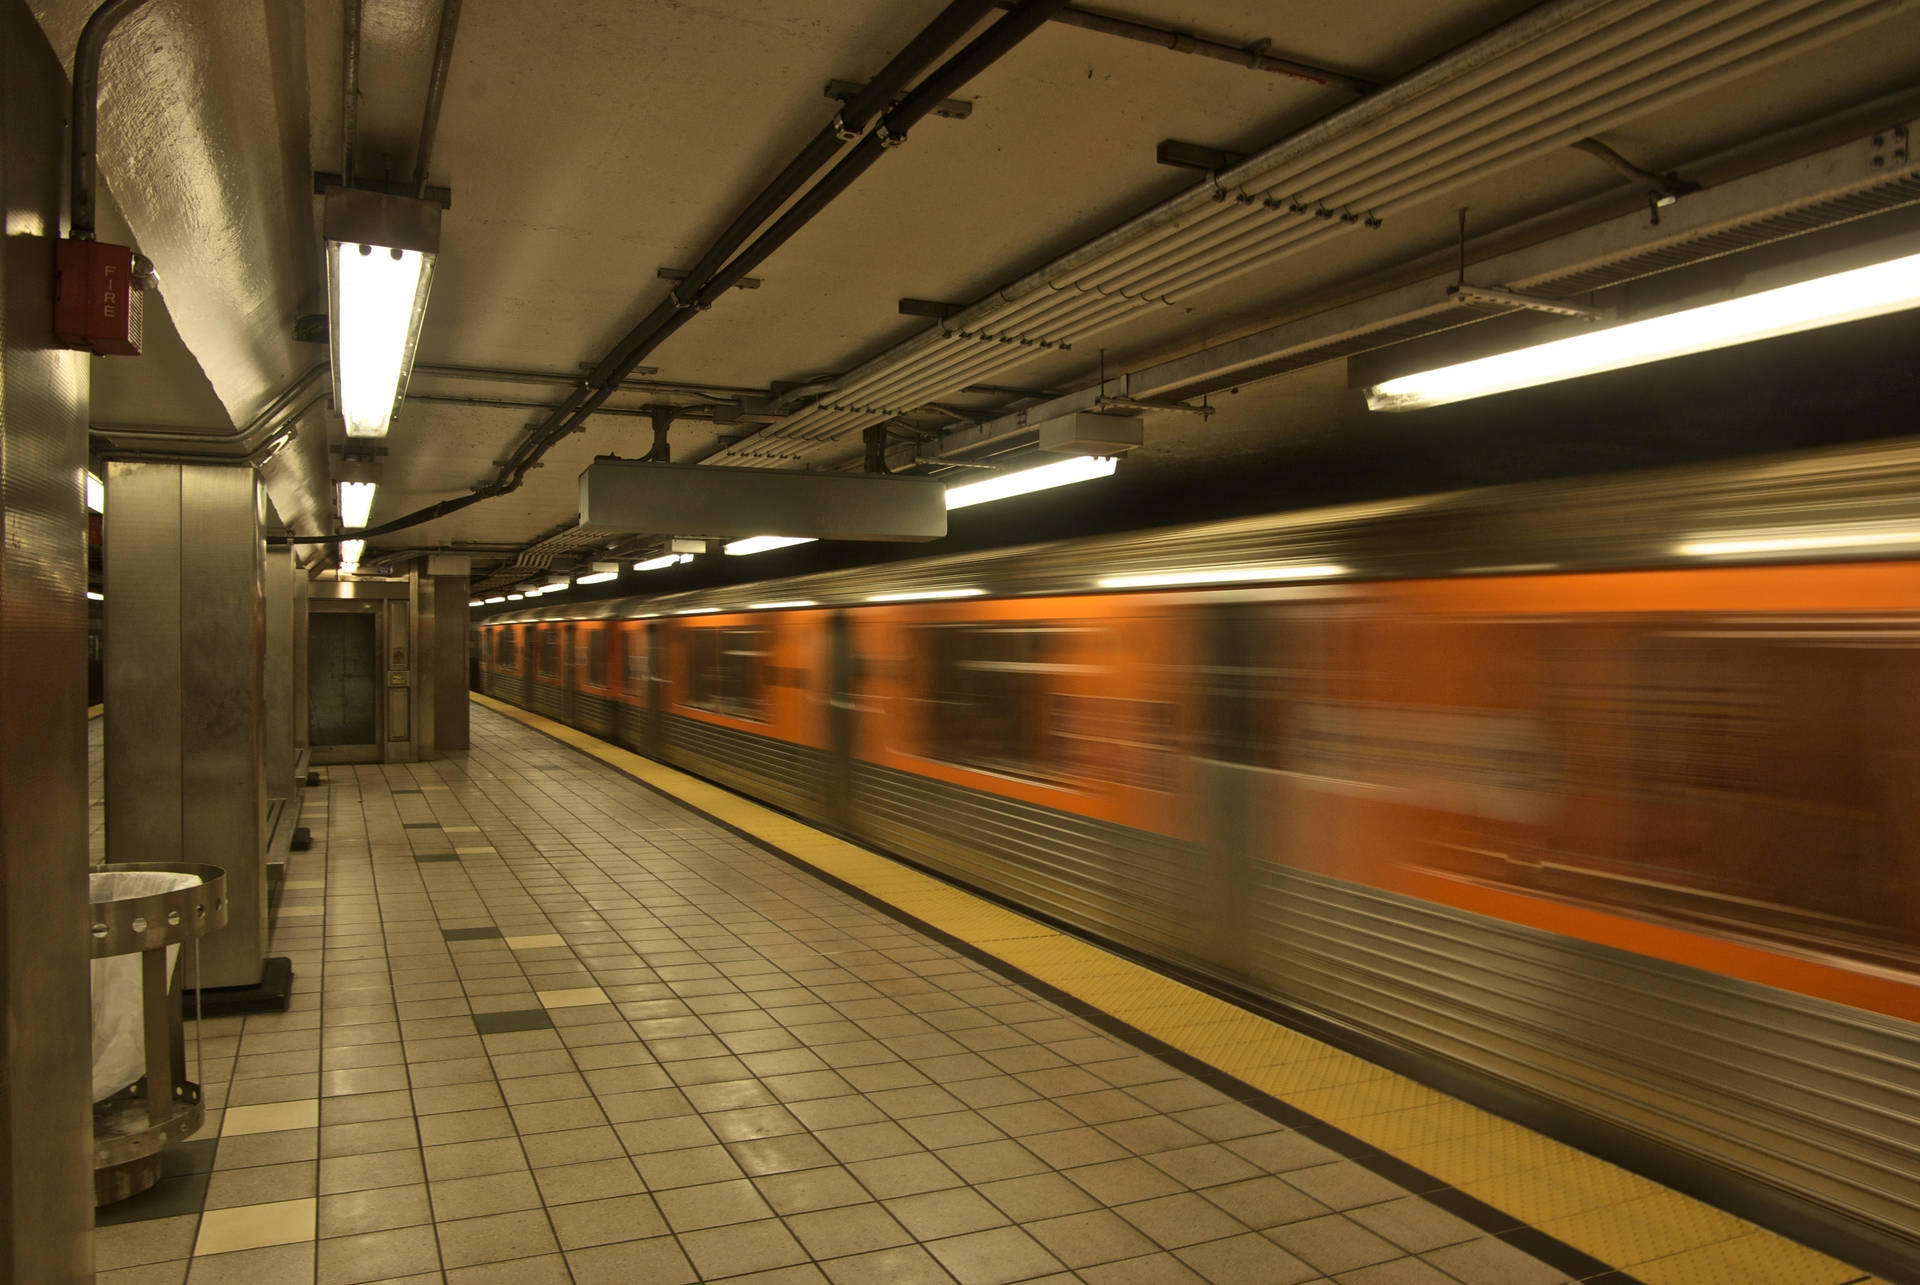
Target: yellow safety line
{"type": "Point", "coordinates": [1656, 1234]}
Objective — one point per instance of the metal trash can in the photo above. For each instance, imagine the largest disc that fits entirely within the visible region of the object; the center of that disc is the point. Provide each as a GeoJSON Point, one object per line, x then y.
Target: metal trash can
{"type": "Point", "coordinates": [142, 1096]}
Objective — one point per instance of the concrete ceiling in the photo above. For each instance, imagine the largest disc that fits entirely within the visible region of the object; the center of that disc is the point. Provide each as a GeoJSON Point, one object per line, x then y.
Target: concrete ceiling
{"type": "Point", "coordinates": [588, 144]}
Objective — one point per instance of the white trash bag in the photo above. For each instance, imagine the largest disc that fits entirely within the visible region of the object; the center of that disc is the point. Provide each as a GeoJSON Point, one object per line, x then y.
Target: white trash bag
{"type": "Point", "coordinates": [119, 1023]}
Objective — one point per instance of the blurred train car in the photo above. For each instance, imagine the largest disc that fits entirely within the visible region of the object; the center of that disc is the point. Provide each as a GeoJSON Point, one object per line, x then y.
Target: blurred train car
{"type": "Point", "coordinates": [1597, 802]}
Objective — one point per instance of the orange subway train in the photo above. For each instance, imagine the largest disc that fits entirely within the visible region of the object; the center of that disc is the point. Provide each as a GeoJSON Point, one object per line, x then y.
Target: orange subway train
{"type": "Point", "coordinates": [1597, 802]}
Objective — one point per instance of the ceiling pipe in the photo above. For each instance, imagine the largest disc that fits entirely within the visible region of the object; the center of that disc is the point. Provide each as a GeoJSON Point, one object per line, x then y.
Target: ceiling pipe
{"type": "Point", "coordinates": [1195, 241]}
{"type": "Point", "coordinates": [1181, 42]}
{"type": "Point", "coordinates": [349, 89]}
{"type": "Point", "coordinates": [854, 115]}
{"type": "Point", "coordinates": [436, 92]}
{"type": "Point", "coordinates": [273, 415]}
{"type": "Point", "coordinates": [85, 170]}
{"type": "Point", "coordinates": [956, 20]}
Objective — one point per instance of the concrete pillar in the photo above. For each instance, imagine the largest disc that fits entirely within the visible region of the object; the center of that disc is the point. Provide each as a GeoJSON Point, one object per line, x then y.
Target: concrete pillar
{"type": "Point", "coordinates": [46, 1129]}
{"type": "Point", "coordinates": [186, 718]}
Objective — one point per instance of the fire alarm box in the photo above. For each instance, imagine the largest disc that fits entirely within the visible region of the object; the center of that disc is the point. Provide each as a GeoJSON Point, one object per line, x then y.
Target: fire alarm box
{"type": "Point", "coordinates": [97, 302]}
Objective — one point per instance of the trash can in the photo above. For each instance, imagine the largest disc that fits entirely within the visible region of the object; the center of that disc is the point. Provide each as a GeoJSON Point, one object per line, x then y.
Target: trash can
{"type": "Point", "coordinates": [141, 914]}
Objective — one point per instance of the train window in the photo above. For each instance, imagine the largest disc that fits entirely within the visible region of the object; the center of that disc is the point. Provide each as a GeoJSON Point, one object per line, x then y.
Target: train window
{"type": "Point", "coordinates": [986, 704]}
{"type": "Point", "coordinates": [638, 670]}
{"type": "Point", "coordinates": [726, 671]}
{"type": "Point", "coordinates": [506, 648]}
{"type": "Point", "coordinates": [550, 652]}
{"type": "Point", "coordinates": [597, 658]}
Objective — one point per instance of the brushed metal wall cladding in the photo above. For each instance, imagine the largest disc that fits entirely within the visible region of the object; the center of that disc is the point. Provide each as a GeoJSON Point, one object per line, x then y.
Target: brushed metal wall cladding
{"type": "Point", "coordinates": [1133, 888]}
{"type": "Point", "coordinates": [593, 713]}
{"type": "Point", "coordinates": [1814, 1098]}
{"type": "Point", "coordinates": [631, 725]}
{"type": "Point", "coordinates": [793, 776]}
{"type": "Point", "coordinates": [547, 699]}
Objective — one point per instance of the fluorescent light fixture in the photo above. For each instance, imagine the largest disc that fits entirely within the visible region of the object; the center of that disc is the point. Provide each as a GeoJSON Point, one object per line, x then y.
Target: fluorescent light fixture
{"type": "Point", "coordinates": [380, 254]}
{"type": "Point", "coordinates": [762, 543]}
{"type": "Point", "coordinates": [1824, 301]}
{"type": "Point", "coordinates": [925, 595]}
{"type": "Point", "coordinates": [516, 597]}
{"type": "Point", "coordinates": [350, 551]}
{"type": "Point", "coordinates": [96, 494]}
{"type": "Point", "coordinates": [662, 562]}
{"type": "Point", "coordinates": [495, 600]}
{"type": "Point", "coordinates": [781, 606]}
{"type": "Point", "coordinates": [1802, 543]}
{"type": "Point", "coordinates": [556, 583]}
{"type": "Point", "coordinates": [356, 504]}
{"type": "Point", "coordinates": [1076, 468]}
{"type": "Point", "coordinates": [696, 611]}
{"type": "Point", "coordinates": [1222, 575]}
{"type": "Point", "coordinates": [598, 577]}
{"type": "Point", "coordinates": [95, 597]}
{"type": "Point", "coordinates": [476, 602]}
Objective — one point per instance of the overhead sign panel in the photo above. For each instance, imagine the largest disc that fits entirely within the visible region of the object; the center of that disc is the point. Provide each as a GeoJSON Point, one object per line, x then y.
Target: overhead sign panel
{"type": "Point", "coordinates": [691, 500]}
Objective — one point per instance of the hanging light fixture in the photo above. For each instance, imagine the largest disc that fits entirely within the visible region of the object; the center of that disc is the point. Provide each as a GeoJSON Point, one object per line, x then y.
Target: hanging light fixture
{"type": "Point", "coordinates": [1076, 468]}
{"type": "Point", "coordinates": [380, 255]}
{"type": "Point", "coordinates": [1872, 291]}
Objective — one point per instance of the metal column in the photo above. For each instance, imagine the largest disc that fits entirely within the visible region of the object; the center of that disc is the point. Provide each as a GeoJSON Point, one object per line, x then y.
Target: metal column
{"type": "Point", "coordinates": [185, 672]}
{"type": "Point", "coordinates": [449, 660]}
{"type": "Point", "coordinates": [46, 1131]}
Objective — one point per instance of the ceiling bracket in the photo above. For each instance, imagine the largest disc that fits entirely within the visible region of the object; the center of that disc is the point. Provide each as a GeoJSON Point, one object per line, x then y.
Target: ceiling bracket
{"type": "Point", "coordinates": [680, 274]}
{"type": "Point", "coordinates": [845, 90]}
{"type": "Point", "coordinates": [1464, 293]}
{"type": "Point", "coordinates": [1134, 405]}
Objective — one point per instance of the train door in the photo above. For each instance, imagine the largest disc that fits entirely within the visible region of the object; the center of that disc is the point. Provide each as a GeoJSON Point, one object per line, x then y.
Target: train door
{"type": "Point", "coordinates": [573, 658]}
{"type": "Point", "coordinates": [840, 711]}
{"type": "Point", "coordinates": [1230, 753]}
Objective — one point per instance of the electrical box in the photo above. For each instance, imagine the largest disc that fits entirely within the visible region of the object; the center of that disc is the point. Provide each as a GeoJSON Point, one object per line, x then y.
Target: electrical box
{"type": "Point", "coordinates": [1084, 433]}
{"type": "Point", "coordinates": [97, 303]}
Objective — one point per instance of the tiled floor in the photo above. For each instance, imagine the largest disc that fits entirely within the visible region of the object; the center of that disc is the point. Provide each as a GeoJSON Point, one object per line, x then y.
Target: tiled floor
{"type": "Point", "coordinates": [549, 1026]}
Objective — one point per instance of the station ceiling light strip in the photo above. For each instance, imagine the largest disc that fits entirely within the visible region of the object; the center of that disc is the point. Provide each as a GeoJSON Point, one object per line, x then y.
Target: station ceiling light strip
{"type": "Point", "coordinates": [1802, 543]}
{"type": "Point", "coordinates": [356, 504]}
{"type": "Point", "coordinates": [1075, 468]}
{"type": "Point", "coordinates": [1854, 295]}
{"type": "Point", "coordinates": [764, 543]}
{"type": "Point", "coordinates": [781, 606]}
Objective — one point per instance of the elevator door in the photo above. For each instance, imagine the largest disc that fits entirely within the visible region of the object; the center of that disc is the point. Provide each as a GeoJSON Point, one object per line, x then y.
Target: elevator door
{"type": "Point", "coordinates": [343, 686]}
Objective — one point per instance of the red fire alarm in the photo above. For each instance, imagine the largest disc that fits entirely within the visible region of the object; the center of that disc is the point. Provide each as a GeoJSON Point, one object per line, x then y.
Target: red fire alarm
{"type": "Point", "coordinates": [96, 298]}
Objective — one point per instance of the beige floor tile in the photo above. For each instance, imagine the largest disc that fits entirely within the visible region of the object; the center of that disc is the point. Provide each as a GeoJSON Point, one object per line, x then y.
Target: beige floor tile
{"type": "Point", "coordinates": [658, 1261]}
{"type": "Point", "coordinates": [254, 1226]}
{"type": "Point", "coordinates": [537, 941]}
{"type": "Point", "coordinates": [290, 1264]}
{"type": "Point", "coordinates": [270, 1117]}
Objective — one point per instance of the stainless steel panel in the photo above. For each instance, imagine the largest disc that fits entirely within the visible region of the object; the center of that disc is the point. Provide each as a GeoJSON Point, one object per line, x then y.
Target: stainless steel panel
{"type": "Point", "coordinates": [450, 623]}
{"type": "Point", "coordinates": [593, 714]}
{"type": "Point", "coordinates": [222, 663]}
{"type": "Point", "coordinates": [626, 495]}
{"type": "Point", "coordinates": [426, 650]}
{"type": "Point", "coordinates": [299, 666]}
{"type": "Point", "coordinates": [1814, 1097]}
{"type": "Point", "coordinates": [546, 698]}
{"type": "Point", "coordinates": [326, 726]}
{"type": "Point", "coordinates": [793, 776]}
{"type": "Point", "coordinates": [46, 1189]}
{"type": "Point", "coordinates": [143, 732]}
{"type": "Point", "coordinates": [278, 682]}
{"type": "Point", "coordinates": [1138, 889]}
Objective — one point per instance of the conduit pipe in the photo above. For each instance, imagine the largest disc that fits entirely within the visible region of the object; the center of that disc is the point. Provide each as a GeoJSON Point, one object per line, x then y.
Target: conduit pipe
{"type": "Point", "coordinates": [1693, 41]}
{"type": "Point", "coordinates": [1013, 318]}
{"type": "Point", "coordinates": [436, 92]}
{"type": "Point", "coordinates": [892, 129]}
{"type": "Point", "coordinates": [959, 17]}
{"type": "Point", "coordinates": [849, 393]}
{"type": "Point", "coordinates": [275, 413]}
{"type": "Point", "coordinates": [670, 314]}
{"type": "Point", "coordinates": [85, 162]}
{"type": "Point", "coordinates": [1182, 42]}
{"type": "Point", "coordinates": [1072, 318]}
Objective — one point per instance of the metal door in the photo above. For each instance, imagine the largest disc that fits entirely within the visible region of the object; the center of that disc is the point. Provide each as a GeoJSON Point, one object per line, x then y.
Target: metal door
{"type": "Point", "coordinates": [346, 716]}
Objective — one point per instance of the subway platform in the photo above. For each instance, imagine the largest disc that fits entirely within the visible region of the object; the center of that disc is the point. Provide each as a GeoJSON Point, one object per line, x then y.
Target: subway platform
{"type": "Point", "coordinates": [562, 1014]}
